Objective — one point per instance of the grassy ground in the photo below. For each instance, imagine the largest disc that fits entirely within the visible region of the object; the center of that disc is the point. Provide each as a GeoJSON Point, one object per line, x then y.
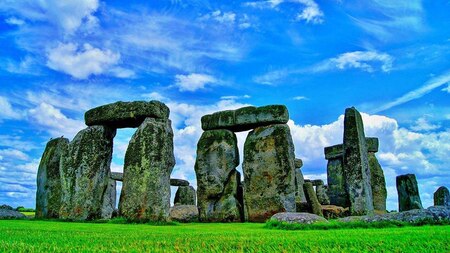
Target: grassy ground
{"type": "Point", "coordinates": [45, 236]}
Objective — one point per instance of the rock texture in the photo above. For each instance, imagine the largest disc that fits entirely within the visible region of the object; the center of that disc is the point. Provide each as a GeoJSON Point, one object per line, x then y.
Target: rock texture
{"type": "Point", "coordinates": [377, 181]}
{"type": "Point", "coordinates": [149, 161]}
{"type": "Point", "coordinates": [300, 198]}
{"type": "Point", "coordinates": [11, 214]}
{"type": "Point", "coordinates": [118, 176]}
{"type": "Point", "coordinates": [442, 197]}
{"type": "Point", "coordinates": [356, 164]}
{"type": "Point", "coordinates": [322, 196]}
{"type": "Point", "coordinates": [126, 114]}
{"type": "Point", "coordinates": [301, 218]}
{"type": "Point", "coordinates": [433, 213]}
{"type": "Point", "coordinates": [337, 191]}
{"type": "Point", "coordinates": [184, 213]}
{"type": "Point", "coordinates": [333, 212]}
{"type": "Point", "coordinates": [185, 195]}
{"type": "Point", "coordinates": [217, 178]}
{"type": "Point", "coordinates": [85, 175]}
{"type": "Point", "coordinates": [269, 172]}
{"type": "Point", "coordinates": [246, 118]}
{"type": "Point", "coordinates": [408, 193]}
{"type": "Point", "coordinates": [48, 192]}
{"type": "Point", "coordinates": [178, 182]}
{"type": "Point", "coordinates": [311, 197]}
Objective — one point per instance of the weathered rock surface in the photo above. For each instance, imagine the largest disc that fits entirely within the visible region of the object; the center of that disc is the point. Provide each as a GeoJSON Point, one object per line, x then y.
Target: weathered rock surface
{"type": "Point", "coordinates": [298, 163]}
{"type": "Point", "coordinates": [217, 177]}
{"type": "Point", "coordinates": [372, 144]}
{"type": "Point", "coordinates": [149, 161]}
{"type": "Point", "coordinates": [337, 192]}
{"type": "Point", "coordinates": [178, 182]}
{"type": "Point", "coordinates": [311, 197]}
{"type": "Point", "coordinates": [85, 175]}
{"type": "Point", "coordinates": [408, 193]}
{"type": "Point", "coordinates": [246, 118]}
{"type": "Point", "coordinates": [322, 196]}
{"type": "Point", "coordinates": [442, 197]}
{"type": "Point", "coordinates": [126, 114]}
{"type": "Point", "coordinates": [333, 212]}
{"type": "Point", "coordinates": [378, 183]}
{"type": "Point", "coordinates": [433, 213]}
{"type": "Point", "coordinates": [118, 176]}
{"type": "Point", "coordinates": [356, 164]}
{"type": "Point", "coordinates": [48, 192]}
{"type": "Point", "coordinates": [300, 199]}
{"type": "Point", "coordinates": [185, 195]}
{"type": "Point", "coordinates": [11, 214]}
{"type": "Point", "coordinates": [302, 218]}
{"type": "Point", "coordinates": [269, 172]}
{"type": "Point", "coordinates": [184, 213]}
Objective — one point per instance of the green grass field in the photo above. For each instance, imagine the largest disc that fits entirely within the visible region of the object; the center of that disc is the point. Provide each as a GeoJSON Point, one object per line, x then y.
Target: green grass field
{"type": "Point", "coordinates": [45, 236]}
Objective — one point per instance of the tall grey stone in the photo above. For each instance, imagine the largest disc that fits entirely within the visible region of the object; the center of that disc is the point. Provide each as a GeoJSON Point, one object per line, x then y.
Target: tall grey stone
{"type": "Point", "coordinates": [185, 195]}
{"type": "Point", "coordinates": [337, 191]}
{"type": "Point", "coordinates": [321, 192]}
{"type": "Point", "coordinates": [311, 197]}
{"type": "Point", "coordinates": [300, 199]}
{"type": "Point", "coordinates": [149, 161]}
{"type": "Point", "coordinates": [356, 164]}
{"type": "Point", "coordinates": [269, 172]}
{"type": "Point", "coordinates": [441, 197]}
{"type": "Point", "coordinates": [85, 175]}
{"type": "Point", "coordinates": [217, 177]}
{"type": "Point", "coordinates": [48, 192]}
{"type": "Point", "coordinates": [408, 193]}
{"type": "Point", "coordinates": [377, 180]}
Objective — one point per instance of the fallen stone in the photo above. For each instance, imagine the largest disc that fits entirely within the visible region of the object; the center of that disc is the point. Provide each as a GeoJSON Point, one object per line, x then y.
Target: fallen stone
{"type": "Point", "coordinates": [442, 197]}
{"type": "Point", "coordinates": [11, 214]}
{"type": "Point", "coordinates": [217, 177]}
{"type": "Point", "coordinates": [184, 213]}
{"type": "Point", "coordinates": [85, 175]}
{"type": "Point", "coordinates": [356, 164]}
{"type": "Point", "coordinates": [311, 197]}
{"type": "Point", "coordinates": [269, 172]}
{"type": "Point", "coordinates": [149, 161]}
{"type": "Point", "coordinates": [300, 218]}
{"type": "Point", "coordinates": [185, 195]}
{"type": "Point", "coordinates": [408, 193]}
{"type": "Point", "coordinates": [246, 118]}
{"type": "Point", "coordinates": [433, 213]}
{"type": "Point", "coordinates": [333, 212]}
{"type": "Point", "coordinates": [126, 114]}
{"type": "Point", "coordinates": [118, 176]}
{"type": "Point", "coordinates": [378, 183]}
{"type": "Point", "coordinates": [178, 182]}
{"type": "Point", "coordinates": [49, 192]}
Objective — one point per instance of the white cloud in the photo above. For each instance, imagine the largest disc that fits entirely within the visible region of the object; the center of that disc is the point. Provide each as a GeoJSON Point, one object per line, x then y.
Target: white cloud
{"type": "Point", "coordinates": [364, 60]}
{"type": "Point", "coordinates": [422, 124]}
{"type": "Point", "coordinates": [221, 17]}
{"type": "Point", "coordinates": [7, 111]}
{"type": "Point", "coordinates": [14, 21]}
{"type": "Point", "coordinates": [68, 58]}
{"type": "Point", "coordinates": [234, 97]}
{"type": "Point", "coordinates": [53, 121]}
{"type": "Point", "coordinates": [24, 66]}
{"type": "Point", "coordinates": [194, 81]}
{"type": "Point", "coordinates": [298, 98]}
{"type": "Point", "coordinates": [13, 154]}
{"type": "Point", "coordinates": [430, 85]}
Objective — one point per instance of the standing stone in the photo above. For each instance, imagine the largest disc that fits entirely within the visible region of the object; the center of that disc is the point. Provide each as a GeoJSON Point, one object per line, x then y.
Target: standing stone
{"type": "Point", "coordinates": [217, 177]}
{"type": "Point", "coordinates": [269, 172]}
{"type": "Point", "coordinates": [178, 182]}
{"type": "Point", "coordinates": [335, 176]}
{"type": "Point", "coordinates": [408, 193]}
{"type": "Point", "coordinates": [85, 175]}
{"type": "Point", "coordinates": [377, 179]}
{"type": "Point", "coordinates": [185, 195]}
{"type": "Point", "coordinates": [48, 192]}
{"type": "Point", "coordinates": [321, 192]}
{"type": "Point", "coordinates": [311, 197]}
{"type": "Point", "coordinates": [442, 197]}
{"type": "Point", "coordinates": [356, 164]}
{"type": "Point", "coordinates": [300, 199]}
{"type": "Point", "coordinates": [149, 160]}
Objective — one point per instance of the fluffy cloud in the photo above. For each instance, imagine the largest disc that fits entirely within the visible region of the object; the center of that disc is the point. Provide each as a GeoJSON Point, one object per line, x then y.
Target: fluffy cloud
{"type": "Point", "coordinates": [68, 58]}
{"type": "Point", "coordinates": [13, 154]}
{"type": "Point", "coordinates": [363, 60]}
{"type": "Point", "coordinates": [194, 81]}
{"type": "Point", "coordinates": [7, 111]}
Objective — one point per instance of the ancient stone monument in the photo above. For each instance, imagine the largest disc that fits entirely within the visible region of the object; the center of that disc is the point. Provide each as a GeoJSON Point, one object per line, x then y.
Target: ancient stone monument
{"type": "Point", "coordinates": [355, 178]}
{"type": "Point", "coordinates": [321, 192]}
{"type": "Point", "coordinates": [185, 195]}
{"type": "Point", "coordinates": [311, 197]}
{"type": "Point", "coordinates": [408, 193]}
{"type": "Point", "coordinates": [75, 181]}
{"type": "Point", "coordinates": [48, 192]}
{"type": "Point", "coordinates": [442, 197]}
{"type": "Point", "coordinates": [269, 177]}
{"type": "Point", "coordinates": [300, 198]}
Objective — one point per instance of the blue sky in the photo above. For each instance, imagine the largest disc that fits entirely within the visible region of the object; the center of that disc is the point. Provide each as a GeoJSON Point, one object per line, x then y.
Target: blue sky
{"type": "Point", "coordinates": [389, 59]}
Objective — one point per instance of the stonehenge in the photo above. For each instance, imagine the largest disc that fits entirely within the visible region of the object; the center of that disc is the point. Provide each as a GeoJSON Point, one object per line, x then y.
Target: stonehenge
{"type": "Point", "coordinates": [75, 182]}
